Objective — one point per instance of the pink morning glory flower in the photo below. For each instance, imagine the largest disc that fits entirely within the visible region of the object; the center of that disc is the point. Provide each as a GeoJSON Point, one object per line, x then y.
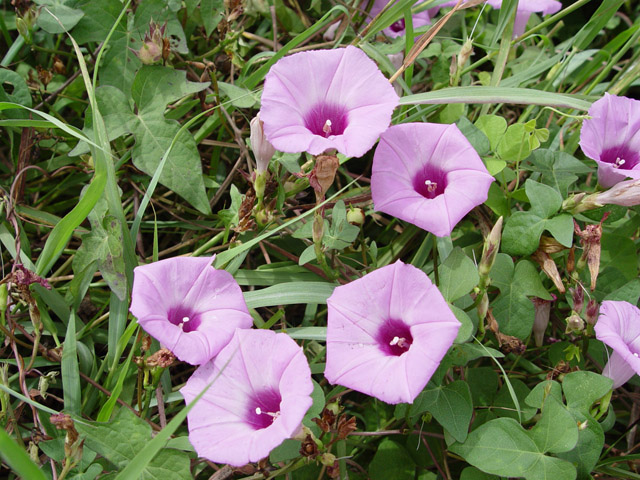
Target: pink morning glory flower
{"type": "Point", "coordinates": [188, 306]}
{"type": "Point", "coordinates": [428, 174]}
{"type": "Point", "coordinates": [611, 137]}
{"type": "Point", "coordinates": [260, 391]}
{"type": "Point", "coordinates": [398, 28]}
{"type": "Point", "coordinates": [326, 99]}
{"type": "Point", "coordinates": [618, 326]}
{"type": "Point", "coordinates": [387, 333]}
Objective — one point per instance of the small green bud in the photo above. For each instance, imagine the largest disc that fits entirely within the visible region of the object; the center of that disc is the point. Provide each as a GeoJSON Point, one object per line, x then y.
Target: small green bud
{"type": "Point", "coordinates": [490, 249]}
{"type": "Point", "coordinates": [355, 216]}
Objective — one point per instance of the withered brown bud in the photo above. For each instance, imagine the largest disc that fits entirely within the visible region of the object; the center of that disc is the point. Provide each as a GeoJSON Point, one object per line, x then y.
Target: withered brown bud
{"type": "Point", "coordinates": [550, 245]}
{"type": "Point", "coordinates": [323, 174]}
{"type": "Point", "coordinates": [58, 66]}
{"type": "Point", "coordinates": [590, 239]}
{"type": "Point", "coordinates": [541, 320]}
{"type": "Point", "coordinates": [549, 268]}
{"type": "Point", "coordinates": [346, 426]}
{"type": "Point", "coordinates": [571, 260]}
{"type": "Point", "coordinates": [62, 421]}
{"type": "Point", "coordinates": [309, 447]}
{"type": "Point", "coordinates": [326, 421]}
{"type": "Point", "coordinates": [44, 75]}
{"type": "Point", "coordinates": [163, 358]}
{"type": "Point", "coordinates": [146, 343]}
{"type": "Point", "coordinates": [23, 277]}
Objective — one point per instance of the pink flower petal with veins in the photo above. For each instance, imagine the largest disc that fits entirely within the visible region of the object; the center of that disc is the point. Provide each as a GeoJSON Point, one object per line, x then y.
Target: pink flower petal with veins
{"type": "Point", "coordinates": [428, 174]}
{"type": "Point", "coordinates": [260, 391]}
{"type": "Point", "coordinates": [326, 99]}
{"type": "Point", "coordinates": [618, 326]}
{"type": "Point", "coordinates": [387, 333]}
{"type": "Point", "coordinates": [188, 306]}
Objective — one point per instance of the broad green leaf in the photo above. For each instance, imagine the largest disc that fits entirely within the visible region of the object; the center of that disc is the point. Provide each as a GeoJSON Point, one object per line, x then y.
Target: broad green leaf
{"type": "Point", "coordinates": [493, 126]}
{"type": "Point", "coordinates": [120, 440]}
{"type": "Point", "coordinates": [545, 201]}
{"type": "Point", "coordinates": [308, 255]}
{"type": "Point", "coordinates": [512, 309]}
{"type": "Point", "coordinates": [391, 460]}
{"type": "Point", "coordinates": [467, 329]}
{"type": "Point", "coordinates": [155, 87]}
{"type": "Point", "coordinates": [472, 473]}
{"type": "Point", "coordinates": [483, 385]}
{"type": "Point", "coordinates": [514, 144]}
{"type": "Point", "coordinates": [556, 431]}
{"type": "Point", "coordinates": [56, 16]}
{"type": "Point", "coordinates": [212, 11]}
{"type": "Point", "coordinates": [586, 453]}
{"type": "Point", "coordinates": [238, 96]}
{"type": "Point", "coordinates": [503, 447]}
{"type": "Point", "coordinates": [557, 169]}
{"type": "Point", "coordinates": [458, 275]}
{"type": "Point", "coordinates": [464, 353]}
{"type": "Point", "coordinates": [450, 405]}
{"type": "Point", "coordinates": [582, 389]}
{"type": "Point", "coordinates": [477, 138]}
{"type": "Point", "coordinates": [104, 246]}
{"type": "Point", "coordinates": [620, 253]}
{"type": "Point", "coordinates": [540, 392]}
{"type": "Point", "coordinates": [19, 92]}
{"type": "Point", "coordinates": [505, 406]}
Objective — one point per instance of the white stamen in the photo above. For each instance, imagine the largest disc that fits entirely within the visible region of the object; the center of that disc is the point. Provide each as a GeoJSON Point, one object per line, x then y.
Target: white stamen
{"type": "Point", "coordinates": [271, 414]}
{"type": "Point", "coordinates": [327, 127]}
{"type": "Point", "coordinates": [399, 341]}
{"type": "Point", "coordinates": [185, 319]}
{"type": "Point", "coordinates": [635, 355]}
{"type": "Point", "coordinates": [619, 162]}
{"type": "Point", "coordinates": [431, 186]}
{"type": "Point", "coordinates": [395, 340]}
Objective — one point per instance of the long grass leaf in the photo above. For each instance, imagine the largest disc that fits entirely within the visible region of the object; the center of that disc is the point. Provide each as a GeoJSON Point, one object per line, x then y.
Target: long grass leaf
{"type": "Point", "coordinates": [71, 370]}
{"type": "Point", "coordinates": [17, 458]}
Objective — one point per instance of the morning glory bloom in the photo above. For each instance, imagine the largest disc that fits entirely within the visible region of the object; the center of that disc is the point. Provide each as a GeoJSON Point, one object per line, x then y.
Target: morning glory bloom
{"type": "Point", "coordinates": [387, 333]}
{"type": "Point", "coordinates": [611, 137]}
{"type": "Point", "coordinates": [326, 99]}
{"type": "Point", "coordinates": [398, 28]}
{"type": "Point", "coordinates": [260, 391]}
{"type": "Point", "coordinates": [428, 174]}
{"type": "Point", "coordinates": [618, 326]}
{"type": "Point", "coordinates": [188, 306]}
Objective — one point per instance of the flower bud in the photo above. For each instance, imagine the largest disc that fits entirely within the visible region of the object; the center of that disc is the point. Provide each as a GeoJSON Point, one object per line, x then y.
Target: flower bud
{"type": "Point", "coordinates": [592, 312]}
{"type": "Point", "coordinates": [549, 267]}
{"type": "Point", "coordinates": [155, 46]}
{"type": "Point", "coordinates": [541, 320]}
{"type": "Point", "coordinates": [355, 216]}
{"type": "Point", "coordinates": [465, 52]}
{"type": "Point", "coordinates": [327, 459]}
{"type": "Point", "coordinates": [490, 249]}
{"type": "Point", "coordinates": [323, 174]}
{"type": "Point", "coordinates": [575, 324]}
{"type": "Point", "coordinates": [626, 194]}
{"type": "Point", "coordinates": [578, 298]}
{"type": "Point", "coordinates": [590, 240]}
{"type": "Point", "coordinates": [261, 147]}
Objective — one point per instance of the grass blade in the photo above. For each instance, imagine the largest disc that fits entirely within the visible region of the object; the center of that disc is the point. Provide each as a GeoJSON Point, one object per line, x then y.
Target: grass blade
{"type": "Point", "coordinates": [17, 458]}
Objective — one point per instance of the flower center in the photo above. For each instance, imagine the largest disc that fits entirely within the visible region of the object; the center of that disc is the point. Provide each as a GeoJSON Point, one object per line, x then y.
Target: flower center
{"type": "Point", "coordinates": [186, 319]}
{"type": "Point", "coordinates": [394, 338]}
{"type": "Point", "coordinates": [326, 120]}
{"type": "Point", "coordinates": [620, 158]}
{"type": "Point", "coordinates": [398, 26]}
{"type": "Point", "coordinates": [430, 183]}
{"type": "Point", "coordinates": [264, 409]}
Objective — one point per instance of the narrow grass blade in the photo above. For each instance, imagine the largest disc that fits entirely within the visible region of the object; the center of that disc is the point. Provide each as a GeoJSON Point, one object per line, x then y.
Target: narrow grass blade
{"type": "Point", "coordinates": [70, 370]}
{"type": "Point", "coordinates": [17, 458]}
{"type": "Point", "coordinates": [289, 293]}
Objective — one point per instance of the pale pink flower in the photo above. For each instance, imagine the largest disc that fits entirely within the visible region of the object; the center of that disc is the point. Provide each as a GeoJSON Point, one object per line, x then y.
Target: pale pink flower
{"type": "Point", "coordinates": [618, 326]}
{"type": "Point", "coordinates": [324, 100]}
{"type": "Point", "coordinates": [387, 333]}
{"type": "Point", "coordinates": [428, 174]}
{"type": "Point", "coordinates": [260, 391]}
{"type": "Point", "coordinates": [188, 306]}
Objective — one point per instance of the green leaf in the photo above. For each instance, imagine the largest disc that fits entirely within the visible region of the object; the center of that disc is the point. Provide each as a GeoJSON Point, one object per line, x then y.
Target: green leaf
{"type": "Point", "coordinates": [104, 245]}
{"type": "Point", "coordinates": [19, 94]}
{"type": "Point", "coordinates": [557, 169]}
{"type": "Point", "coordinates": [120, 440]}
{"type": "Point", "coordinates": [458, 275]}
{"type": "Point", "coordinates": [503, 447]}
{"type": "Point", "coordinates": [582, 389]}
{"type": "Point", "coordinates": [289, 293]}
{"type": "Point", "coordinates": [514, 145]}
{"type": "Point", "coordinates": [545, 201]}
{"type": "Point", "coordinates": [307, 255]}
{"type": "Point", "coordinates": [472, 473]}
{"type": "Point", "coordinates": [512, 309]}
{"type": "Point", "coordinates": [450, 405]}
{"type": "Point", "coordinates": [341, 233]}
{"type": "Point", "coordinates": [239, 97]}
{"type": "Point", "coordinates": [586, 453]}
{"type": "Point", "coordinates": [556, 431]}
{"type": "Point", "coordinates": [523, 96]}
{"type": "Point", "coordinates": [476, 137]}
{"type": "Point", "coordinates": [212, 12]}
{"type": "Point", "coordinates": [70, 370]}
{"type": "Point", "coordinates": [493, 126]}
{"type": "Point", "coordinates": [57, 17]}
{"type": "Point", "coordinates": [467, 329]}
{"type": "Point", "coordinates": [15, 456]}
{"type": "Point", "coordinates": [155, 87]}
{"type": "Point", "coordinates": [620, 253]}
{"type": "Point", "coordinates": [391, 460]}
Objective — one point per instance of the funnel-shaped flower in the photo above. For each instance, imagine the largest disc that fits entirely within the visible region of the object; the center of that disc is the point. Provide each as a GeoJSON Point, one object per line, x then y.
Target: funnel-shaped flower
{"type": "Point", "coordinates": [618, 326]}
{"type": "Point", "coordinates": [398, 28]}
{"type": "Point", "coordinates": [428, 174]}
{"type": "Point", "coordinates": [326, 99]}
{"type": "Point", "coordinates": [188, 306]}
{"type": "Point", "coordinates": [260, 391]}
{"type": "Point", "coordinates": [611, 137]}
{"type": "Point", "coordinates": [387, 333]}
